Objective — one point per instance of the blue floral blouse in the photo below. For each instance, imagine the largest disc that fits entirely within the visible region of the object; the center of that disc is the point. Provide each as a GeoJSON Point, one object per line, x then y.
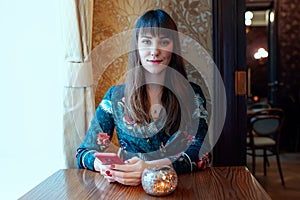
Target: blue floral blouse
{"type": "Point", "coordinates": [148, 141]}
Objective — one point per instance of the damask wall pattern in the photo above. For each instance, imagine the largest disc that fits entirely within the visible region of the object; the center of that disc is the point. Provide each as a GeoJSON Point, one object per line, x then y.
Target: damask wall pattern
{"type": "Point", "coordinates": [289, 47]}
{"type": "Point", "coordinates": [289, 66]}
{"type": "Point", "coordinates": [194, 18]}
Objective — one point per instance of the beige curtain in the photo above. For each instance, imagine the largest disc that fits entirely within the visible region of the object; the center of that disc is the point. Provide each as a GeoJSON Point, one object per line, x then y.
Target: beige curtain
{"type": "Point", "coordinates": [78, 92]}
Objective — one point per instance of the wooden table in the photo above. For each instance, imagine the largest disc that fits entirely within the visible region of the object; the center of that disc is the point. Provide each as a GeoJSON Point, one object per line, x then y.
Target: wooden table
{"type": "Point", "coordinates": [212, 183]}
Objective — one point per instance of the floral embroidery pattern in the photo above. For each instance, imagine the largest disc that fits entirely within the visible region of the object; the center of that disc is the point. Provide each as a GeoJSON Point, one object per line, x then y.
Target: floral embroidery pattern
{"type": "Point", "coordinates": [123, 144]}
{"type": "Point", "coordinates": [200, 111]}
{"type": "Point", "coordinates": [129, 122]}
{"type": "Point", "coordinates": [103, 140]}
{"type": "Point", "coordinates": [162, 148]}
{"type": "Point", "coordinates": [203, 162]}
{"type": "Point", "coordinates": [106, 106]}
{"type": "Point", "coordinates": [189, 137]}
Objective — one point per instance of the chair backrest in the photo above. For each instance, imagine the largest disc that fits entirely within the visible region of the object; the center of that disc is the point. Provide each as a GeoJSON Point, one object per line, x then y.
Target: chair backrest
{"type": "Point", "coordinates": [271, 111]}
{"type": "Point", "coordinates": [259, 106]}
{"type": "Point", "coordinates": [267, 122]}
{"type": "Point", "coordinates": [265, 125]}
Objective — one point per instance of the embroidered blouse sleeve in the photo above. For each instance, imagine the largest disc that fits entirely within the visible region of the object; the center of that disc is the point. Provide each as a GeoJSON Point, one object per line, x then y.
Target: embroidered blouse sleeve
{"type": "Point", "coordinates": [190, 160]}
{"type": "Point", "coordinates": [99, 134]}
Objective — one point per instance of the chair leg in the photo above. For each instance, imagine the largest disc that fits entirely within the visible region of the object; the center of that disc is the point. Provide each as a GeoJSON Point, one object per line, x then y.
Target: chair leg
{"type": "Point", "coordinates": [253, 162]}
{"type": "Point", "coordinates": [279, 168]}
{"type": "Point", "coordinates": [268, 162]}
{"type": "Point", "coordinates": [265, 162]}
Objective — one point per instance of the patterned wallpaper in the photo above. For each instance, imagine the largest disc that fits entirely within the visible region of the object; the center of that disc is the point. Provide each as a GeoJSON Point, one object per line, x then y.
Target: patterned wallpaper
{"type": "Point", "coordinates": [289, 56]}
{"type": "Point", "coordinates": [289, 45]}
{"type": "Point", "coordinates": [194, 18]}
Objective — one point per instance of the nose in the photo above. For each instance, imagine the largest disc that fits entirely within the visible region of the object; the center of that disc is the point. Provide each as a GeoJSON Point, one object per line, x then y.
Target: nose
{"type": "Point", "coordinates": [155, 50]}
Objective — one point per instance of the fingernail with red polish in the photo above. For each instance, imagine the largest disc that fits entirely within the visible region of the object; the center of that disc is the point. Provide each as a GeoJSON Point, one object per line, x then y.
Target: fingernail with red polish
{"type": "Point", "coordinates": [107, 172]}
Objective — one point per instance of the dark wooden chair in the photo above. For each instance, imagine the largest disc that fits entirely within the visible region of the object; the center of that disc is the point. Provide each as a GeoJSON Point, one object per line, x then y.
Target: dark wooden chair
{"type": "Point", "coordinates": [259, 106]}
{"type": "Point", "coordinates": [264, 134]}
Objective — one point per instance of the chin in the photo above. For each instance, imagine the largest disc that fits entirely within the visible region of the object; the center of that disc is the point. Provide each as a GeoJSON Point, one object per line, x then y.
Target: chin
{"type": "Point", "coordinates": [155, 71]}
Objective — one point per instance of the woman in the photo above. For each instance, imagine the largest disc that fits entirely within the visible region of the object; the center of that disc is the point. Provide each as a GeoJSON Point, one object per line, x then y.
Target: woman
{"type": "Point", "coordinates": [160, 118]}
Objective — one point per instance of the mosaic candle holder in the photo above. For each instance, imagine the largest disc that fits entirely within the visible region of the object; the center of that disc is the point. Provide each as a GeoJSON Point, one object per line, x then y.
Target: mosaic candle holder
{"type": "Point", "coordinates": [160, 180]}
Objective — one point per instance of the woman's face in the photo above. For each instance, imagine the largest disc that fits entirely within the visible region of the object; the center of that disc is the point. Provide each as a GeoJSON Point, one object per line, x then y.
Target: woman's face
{"type": "Point", "coordinates": [155, 52]}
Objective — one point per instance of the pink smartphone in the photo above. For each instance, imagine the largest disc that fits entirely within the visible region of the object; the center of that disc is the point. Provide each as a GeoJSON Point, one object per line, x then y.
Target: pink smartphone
{"type": "Point", "coordinates": [109, 158]}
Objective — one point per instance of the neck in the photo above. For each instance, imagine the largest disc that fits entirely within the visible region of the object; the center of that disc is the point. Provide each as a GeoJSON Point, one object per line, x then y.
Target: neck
{"type": "Point", "coordinates": [154, 87]}
{"type": "Point", "coordinates": [156, 79]}
{"type": "Point", "coordinates": [154, 92]}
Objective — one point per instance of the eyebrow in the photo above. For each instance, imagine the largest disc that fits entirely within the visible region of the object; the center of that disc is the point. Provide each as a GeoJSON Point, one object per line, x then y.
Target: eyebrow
{"type": "Point", "coordinates": [149, 37]}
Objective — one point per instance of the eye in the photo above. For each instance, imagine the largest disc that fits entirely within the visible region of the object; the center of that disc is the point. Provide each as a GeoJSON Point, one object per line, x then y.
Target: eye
{"type": "Point", "coordinates": [165, 42]}
{"type": "Point", "coordinates": [146, 41]}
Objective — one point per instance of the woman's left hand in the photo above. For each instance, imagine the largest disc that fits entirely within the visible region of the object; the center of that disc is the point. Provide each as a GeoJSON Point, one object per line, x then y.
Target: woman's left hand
{"type": "Point", "coordinates": [130, 173]}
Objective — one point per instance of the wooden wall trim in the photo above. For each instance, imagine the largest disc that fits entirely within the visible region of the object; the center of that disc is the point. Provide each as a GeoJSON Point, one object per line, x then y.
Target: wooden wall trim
{"type": "Point", "coordinates": [229, 52]}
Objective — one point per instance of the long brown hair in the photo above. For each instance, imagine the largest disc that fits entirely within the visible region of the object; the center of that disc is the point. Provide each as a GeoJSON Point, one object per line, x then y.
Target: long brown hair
{"type": "Point", "coordinates": [156, 22]}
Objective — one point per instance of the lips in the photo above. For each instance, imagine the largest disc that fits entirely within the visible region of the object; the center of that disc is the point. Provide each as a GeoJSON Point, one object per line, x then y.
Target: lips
{"type": "Point", "coordinates": [154, 61]}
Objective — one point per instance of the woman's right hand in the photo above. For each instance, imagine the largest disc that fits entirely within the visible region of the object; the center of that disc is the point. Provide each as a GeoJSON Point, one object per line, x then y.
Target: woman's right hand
{"type": "Point", "coordinates": [104, 170]}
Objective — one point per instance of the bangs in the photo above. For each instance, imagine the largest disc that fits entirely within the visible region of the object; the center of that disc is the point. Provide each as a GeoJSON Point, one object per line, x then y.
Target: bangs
{"type": "Point", "coordinates": [156, 32]}
{"type": "Point", "coordinates": [156, 23]}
